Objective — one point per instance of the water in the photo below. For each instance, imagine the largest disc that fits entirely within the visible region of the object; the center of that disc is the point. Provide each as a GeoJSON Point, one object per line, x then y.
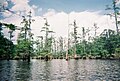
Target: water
{"type": "Point", "coordinates": [60, 70]}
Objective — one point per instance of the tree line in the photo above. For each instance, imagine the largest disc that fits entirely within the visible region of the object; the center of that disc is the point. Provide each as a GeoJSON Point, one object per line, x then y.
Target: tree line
{"type": "Point", "coordinates": [106, 45]}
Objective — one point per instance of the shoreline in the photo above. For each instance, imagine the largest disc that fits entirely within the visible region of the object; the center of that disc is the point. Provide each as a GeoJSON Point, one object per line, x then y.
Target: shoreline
{"type": "Point", "coordinates": [67, 59]}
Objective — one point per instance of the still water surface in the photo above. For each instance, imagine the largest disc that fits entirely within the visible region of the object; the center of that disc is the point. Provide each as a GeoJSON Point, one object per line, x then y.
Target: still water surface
{"type": "Point", "coordinates": [60, 70]}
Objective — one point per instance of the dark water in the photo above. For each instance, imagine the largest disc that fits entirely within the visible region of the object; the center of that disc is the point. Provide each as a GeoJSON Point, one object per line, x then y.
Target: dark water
{"type": "Point", "coordinates": [60, 70]}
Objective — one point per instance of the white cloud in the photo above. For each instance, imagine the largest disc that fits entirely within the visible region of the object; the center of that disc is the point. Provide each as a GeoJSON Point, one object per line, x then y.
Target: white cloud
{"type": "Point", "coordinates": [39, 9]}
{"type": "Point", "coordinates": [3, 3]}
{"type": "Point", "coordinates": [6, 14]}
{"type": "Point", "coordinates": [34, 7]}
{"type": "Point", "coordinates": [20, 1]}
{"type": "Point", "coordinates": [22, 7]}
{"type": "Point", "coordinates": [118, 1]}
{"type": "Point", "coordinates": [59, 20]}
{"type": "Point", "coordinates": [50, 12]}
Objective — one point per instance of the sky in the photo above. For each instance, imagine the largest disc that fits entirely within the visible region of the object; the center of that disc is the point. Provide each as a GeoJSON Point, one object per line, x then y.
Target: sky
{"type": "Point", "coordinates": [71, 5]}
{"type": "Point", "coordinates": [59, 14]}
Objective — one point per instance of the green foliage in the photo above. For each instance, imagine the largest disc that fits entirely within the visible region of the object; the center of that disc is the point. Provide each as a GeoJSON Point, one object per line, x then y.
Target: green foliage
{"type": "Point", "coordinates": [104, 46]}
{"type": "Point", "coordinates": [117, 50]}
{"type": "Point", "coordinates": [24, 47]}
{"type": "Point", "coordinates": [10, 26]}
{"type": "Point", "coordinates": [6, 48]}
{"type": "Point", "coordinates": [24, 44]}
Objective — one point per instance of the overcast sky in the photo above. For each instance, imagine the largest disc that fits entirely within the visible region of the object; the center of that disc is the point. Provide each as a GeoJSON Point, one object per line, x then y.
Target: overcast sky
{"type": "Point", "coordinates": [58, 13]}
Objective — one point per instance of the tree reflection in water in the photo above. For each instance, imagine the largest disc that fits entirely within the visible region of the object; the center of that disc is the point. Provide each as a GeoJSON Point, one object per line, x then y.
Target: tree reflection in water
{"type": "Point", "coordinates": [23, 71]}
{"type": "Point", "coordinates": [60, 70]}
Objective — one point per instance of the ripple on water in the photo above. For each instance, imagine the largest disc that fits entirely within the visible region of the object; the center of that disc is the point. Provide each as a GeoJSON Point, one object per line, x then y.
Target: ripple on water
{"type": "Point", "coordinates": [60, 70]}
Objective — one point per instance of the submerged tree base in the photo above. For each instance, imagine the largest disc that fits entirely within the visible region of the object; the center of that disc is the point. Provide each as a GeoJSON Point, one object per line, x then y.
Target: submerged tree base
{"type": "Point", "coordinates": [50, 57]}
